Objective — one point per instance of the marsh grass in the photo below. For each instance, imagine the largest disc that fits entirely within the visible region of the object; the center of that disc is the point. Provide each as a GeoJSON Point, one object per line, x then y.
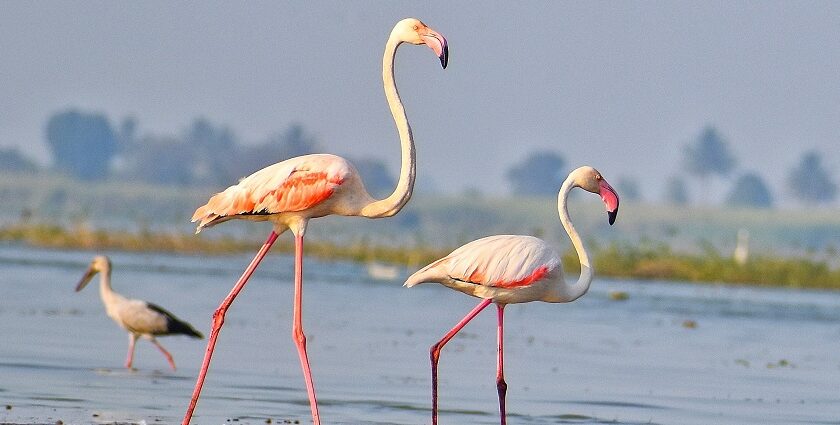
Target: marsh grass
{"type": "Point", "coordinates": [657, 261]}
{"type": "Point", "coordinates": [789, 247]}
{"type": "Point", "coordinates": [647, 260]}
{"type": "Point", "coordinates": [81, 237]}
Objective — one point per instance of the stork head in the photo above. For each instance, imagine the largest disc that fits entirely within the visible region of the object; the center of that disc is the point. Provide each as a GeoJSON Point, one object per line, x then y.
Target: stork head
{"type": "Point", "coordinates": [100, 263]}
{"type": "Point", "coordinates": [590, 180]}
{"type": "Point", "coordinates": [412, 30]}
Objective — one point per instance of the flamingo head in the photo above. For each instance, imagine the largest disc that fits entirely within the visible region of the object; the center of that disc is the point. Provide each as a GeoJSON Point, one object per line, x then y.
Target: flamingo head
{"type": "Point", "coordinates": [100, 263]}
{"type": "Point", "coordinates": [412, 30]}
{"type": "Point", "coordinates": [589, 179]}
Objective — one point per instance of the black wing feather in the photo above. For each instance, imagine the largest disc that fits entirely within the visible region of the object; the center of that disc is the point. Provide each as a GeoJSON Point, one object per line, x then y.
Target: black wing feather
{"type": "Point", "coordinates": [174, 325]}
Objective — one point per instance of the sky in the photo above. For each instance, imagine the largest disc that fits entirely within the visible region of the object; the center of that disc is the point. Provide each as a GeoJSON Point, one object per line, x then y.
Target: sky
{"type": "Point", "coordinates": [622, 86]}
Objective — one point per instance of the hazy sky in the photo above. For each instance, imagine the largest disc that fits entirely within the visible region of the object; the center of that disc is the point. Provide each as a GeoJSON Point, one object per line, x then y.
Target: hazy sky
{"type": "Point", "coordinates": [622, 86]}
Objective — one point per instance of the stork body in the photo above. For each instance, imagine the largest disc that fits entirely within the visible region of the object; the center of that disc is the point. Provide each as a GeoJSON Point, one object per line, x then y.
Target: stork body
{"type": "Point", "coordinates": [139, 318]}
{"type": "Point", "coordinates": [511, 269]}
{"type": "Point", "coordinates": [290, 193]}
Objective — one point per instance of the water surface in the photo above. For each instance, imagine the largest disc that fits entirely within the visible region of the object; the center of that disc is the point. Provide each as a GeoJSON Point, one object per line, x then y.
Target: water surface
{"type": "Point", "coordinates": [670, 354]}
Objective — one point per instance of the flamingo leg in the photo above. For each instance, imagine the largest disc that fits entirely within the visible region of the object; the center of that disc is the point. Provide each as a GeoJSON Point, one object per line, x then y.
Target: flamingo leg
{"type": "Point", "coordinates": [129, 358]}
{"type": "Point", "coordinates": [297, 329]}
{"type": "Point", "coordinates": [434, 352]}
{"type": "Point", "coordinates": [165, 353]}
{"type": "Point", "coordinates": [219, 320]}
{"type": "Point", "coordinates": [501, 385]}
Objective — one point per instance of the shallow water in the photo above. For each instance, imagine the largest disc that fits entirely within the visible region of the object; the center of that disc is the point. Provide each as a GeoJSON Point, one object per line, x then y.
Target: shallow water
{"type": "Point", "coordinates": [755, 356]}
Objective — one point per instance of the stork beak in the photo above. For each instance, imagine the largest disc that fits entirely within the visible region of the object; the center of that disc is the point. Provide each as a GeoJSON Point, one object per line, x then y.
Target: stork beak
{"type": "Point", "coordinates": [89, 274]}
{"type": "Point", "coordinates": [610, 198]}
{"type": "Point", "coordinates": [438, 44]}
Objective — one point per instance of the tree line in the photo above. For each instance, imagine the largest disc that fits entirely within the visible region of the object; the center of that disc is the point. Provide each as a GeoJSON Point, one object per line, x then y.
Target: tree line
{"type": "Point", "coordinates": [89, 147]}
{"type": "Point", "coordinates": [706, 157]}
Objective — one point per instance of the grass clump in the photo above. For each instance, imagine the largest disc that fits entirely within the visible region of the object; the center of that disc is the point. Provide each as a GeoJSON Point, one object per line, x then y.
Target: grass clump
{"type": "Point", "coordinates": [657, 261]}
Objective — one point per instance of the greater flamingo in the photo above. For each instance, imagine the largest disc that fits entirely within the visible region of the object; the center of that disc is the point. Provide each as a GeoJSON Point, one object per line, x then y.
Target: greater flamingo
{"type": "Point", "coordinates": [509, 269]}
{"type": "Point", "coordinates": [138, 317]}
{"type": "Point", "coordinates": [290, 193]}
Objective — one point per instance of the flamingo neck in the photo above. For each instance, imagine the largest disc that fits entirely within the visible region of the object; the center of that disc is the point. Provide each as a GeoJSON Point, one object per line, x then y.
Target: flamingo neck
{"type": "Point", "coordinates": [405, 185]}
{"type": "Point", "coordinates": [566, 292]}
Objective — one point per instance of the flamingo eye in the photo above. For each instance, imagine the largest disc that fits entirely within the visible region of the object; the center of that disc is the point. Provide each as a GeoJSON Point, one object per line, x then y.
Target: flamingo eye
{"type": "Point", "coordinates": [416, 27]}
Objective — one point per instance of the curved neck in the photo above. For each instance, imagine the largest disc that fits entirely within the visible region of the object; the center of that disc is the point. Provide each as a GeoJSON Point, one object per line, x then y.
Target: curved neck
{"type": "Point", "coordinates": [105, 290]}
{"type": "Point", "coordinates": [405, 185]}
{"type": "Point", "coordinates": [575, 291]}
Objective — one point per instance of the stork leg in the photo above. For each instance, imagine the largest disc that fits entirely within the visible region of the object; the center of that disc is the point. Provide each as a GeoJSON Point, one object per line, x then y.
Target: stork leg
{"type": "Point", "coordinates": [165, 353]}
{"type": "Point", "coordinates": [297, 329]}
{"type": "Point", "coordinates": [129, 358]}
{"type": "Point", "coordinates": [501, 385]}
{"type": "Point", "coordinates": [219, 320]}
{"type": "Point", "coordinates": [434, 352]}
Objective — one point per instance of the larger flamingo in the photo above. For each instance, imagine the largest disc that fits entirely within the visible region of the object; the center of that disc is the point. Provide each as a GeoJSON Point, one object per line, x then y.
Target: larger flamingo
{"type": "Point", "coordinates": [509, 269]}
{"type": "Point", "coordinates": [290, 193]}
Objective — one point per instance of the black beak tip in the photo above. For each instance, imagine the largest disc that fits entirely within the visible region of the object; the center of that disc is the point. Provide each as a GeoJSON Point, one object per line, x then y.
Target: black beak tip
{"type": "Point", "coordinates": [444, 58]}
{"type": "Point", "coordinates": [612, 216]}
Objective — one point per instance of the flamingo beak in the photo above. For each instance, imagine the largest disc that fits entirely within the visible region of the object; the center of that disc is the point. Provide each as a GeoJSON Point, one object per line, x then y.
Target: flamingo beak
{"type": "Point", "coordinates": [438, 44]}
{"type": "Point", "coordinates": [610, 198]}
{"type": "Point", "coordinates": [89, 274]}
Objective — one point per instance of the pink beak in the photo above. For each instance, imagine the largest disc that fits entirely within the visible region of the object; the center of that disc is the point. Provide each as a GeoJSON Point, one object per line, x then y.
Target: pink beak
{"type": "Point", "coordinates": [610, 198]}
{"type": "Point", "coordinates": [437, 43]}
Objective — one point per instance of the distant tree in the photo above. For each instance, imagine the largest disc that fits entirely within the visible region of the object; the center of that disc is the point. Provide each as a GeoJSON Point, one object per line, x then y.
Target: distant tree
{"type": "Point", "coordinates": [204, 135]}
{"type": "Point", "coordinates": [204, 154]}
{"type": "Point", "coordinates": [378, 180]}
{"type": "Point", "coordinates": [628, 189]}
{"type": "Point", "coordinates": [750, 191]}
{"type": "Point", "coordinates": [160, 160]}
{"type": "Point", "coordinates": [82, 144]}
{"type": "Point", "coordinates": [294, 141]}
{"type": "Point", "coordinates": [297, 142]}
{"type": "Point", "coordinates": [541, 173]}
{"type": "Point", "coordinates": [215, 158]}
{"type": "Point", "coordinates": [11, 160]}
{"type": "Point", "coordinates": [127, 140]}
{"type": "Point", "coordinates": [676, 191]}
{"type": "Point", "coordinates": [810, 182]}
{"type": "Point", "coordinates": [709, 155]}
{"type": "Point", "coordinates": [127, 133]}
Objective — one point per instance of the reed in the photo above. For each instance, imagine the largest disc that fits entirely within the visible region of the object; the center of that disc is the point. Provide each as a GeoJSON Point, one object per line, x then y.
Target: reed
{"type": "Point", "coordinates": [81, 237]}
{"type": "Point", "coordinates": [656, 261]}
{"type": "Point", "coordinates": [646, 260]}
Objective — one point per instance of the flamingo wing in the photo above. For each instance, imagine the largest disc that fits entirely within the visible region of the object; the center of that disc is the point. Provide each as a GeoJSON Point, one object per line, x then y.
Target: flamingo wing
{"type": "Point", "coordinates": [503, 261]}
{"type": "Point", "coordinates": [293, 185]}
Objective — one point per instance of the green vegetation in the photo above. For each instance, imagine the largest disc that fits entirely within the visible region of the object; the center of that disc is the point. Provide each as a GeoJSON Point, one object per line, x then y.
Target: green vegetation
{"type": "Point", "coordinates": [53, 236]}
{"type": "Point", "coordinates": [788, 247]}
{"type": "Point", "coordinates": [659, 262]}
{"type": "Point", "coordinates": [620, 260]}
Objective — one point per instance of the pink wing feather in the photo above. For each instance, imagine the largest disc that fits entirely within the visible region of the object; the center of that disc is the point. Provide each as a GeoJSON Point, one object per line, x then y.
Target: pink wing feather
{"type": "Point", "coordinates": [293, 185]}
{"type": "Point", "coordinates": [503, 261]}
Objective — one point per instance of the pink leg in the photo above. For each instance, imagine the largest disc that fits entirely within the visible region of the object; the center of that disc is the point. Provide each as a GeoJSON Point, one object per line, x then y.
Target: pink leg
{"type": "Point", "coordinates": [501, 385]}
{"type": "Point", "coordinates": [434, 352]}
{"type": "Point", "coordinates": [165, 353]}
{"type": "Point", "coordinates": [297, 329]}
{"type": "Point", "coordinates": [219, 319]}
{"type": "Point", "coordinates": [129, 358]}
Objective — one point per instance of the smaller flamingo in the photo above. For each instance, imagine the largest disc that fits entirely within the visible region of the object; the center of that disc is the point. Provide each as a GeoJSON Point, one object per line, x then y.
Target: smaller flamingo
{"type": "Point", "coordinates": [509, 269]}
{"type": "Point", "coordinates": [139, 318]}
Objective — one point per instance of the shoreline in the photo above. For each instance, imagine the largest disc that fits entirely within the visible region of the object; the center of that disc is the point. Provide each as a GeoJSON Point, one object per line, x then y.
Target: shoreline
{"type": "Point", "coordinates": [646, 261]}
